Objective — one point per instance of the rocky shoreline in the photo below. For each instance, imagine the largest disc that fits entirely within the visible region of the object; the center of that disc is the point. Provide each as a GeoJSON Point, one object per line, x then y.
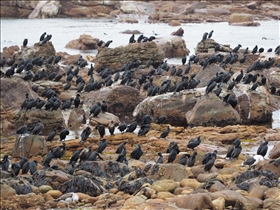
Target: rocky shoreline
{"type": "Point", "coordinates": [133, 83]}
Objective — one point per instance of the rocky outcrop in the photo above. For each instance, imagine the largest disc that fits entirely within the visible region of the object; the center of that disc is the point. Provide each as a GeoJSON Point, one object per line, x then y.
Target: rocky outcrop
{"type": "Point", "coordinates": [179, 32]}
{"type": "Point", "coordinates": [30, 146]}
{"type": "Point", "coordinates": [242, 19]}
{"type": "Point", "coordinates": [121, 100]}
{"type": "Point", "coordinates": [211, 111]}
{"type": "Point", "coordinates": [85, 42]}
{"type": "Point", "coordinates": [115, 57]}
{"type": "Point", "coordinates": [206, 47]}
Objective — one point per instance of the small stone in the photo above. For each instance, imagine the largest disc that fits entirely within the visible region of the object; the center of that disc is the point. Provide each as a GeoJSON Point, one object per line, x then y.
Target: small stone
{"type": "Point", "coordinates": [45, 188]}
{"type": "Point", "coordinates": [165, 185]}
{"type": "Point", "coordinates": [54, 193]}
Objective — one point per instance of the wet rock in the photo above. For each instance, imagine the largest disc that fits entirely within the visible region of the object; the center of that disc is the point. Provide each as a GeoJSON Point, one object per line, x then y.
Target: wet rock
{"type": "Point", "coordinates": [115, 57]}
{"type": "Point", "coordinates": [171, 47]}
{"type": "Point", "coordinates": [174, 172]}
{"type": "Point", "coordinates": [30, 146]}
{"type": "Point", "coordinates": [165, 185]}
{"type": "Point", "coordinates": [211, 111]}
{"type": "Point", "coordinates": [85, 42]}
{"type": "Point", "coordinates": [196, 201]}
{"type": "Point", "coordinates": [50, 9]}
{"type": "Point", "coordinates": [45, 188]}
{"type": "Point", "coordinates": [121, 100]}
{"type": "Point", "coordinates": [82, 184]}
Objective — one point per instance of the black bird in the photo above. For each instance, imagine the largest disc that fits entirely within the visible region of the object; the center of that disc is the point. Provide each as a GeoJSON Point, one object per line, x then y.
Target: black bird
{"type": "Point", "coordinates": [261, 49]}
{"type": "Point", "coordinates": [77, 101]}
{"type": "Point", "coordinates": [160, 158]}
{"type": "Point", "coordinates": [136, 153]}
{"type": "Point", "coordinates": [3, 62]}
{"type": "Point", "coordinates": [22, 130]}
{"type": "Point", "coordinates": [23, 161]}
{"type": "Point", "coordinates": [51, 135]}
{"type": "Point", "coordinates": [75, 156]}
{"type": "Point", "coordinates": [25, 41]}
{"type": "Point", "coordinates": [93, 156]}
{"type": "Point", "coordinates": [59, 151]}
{"type": "Point", "coordinates": [15, 169]}
{"type": "Point", "coordinates": [72, 169]}
{"type": "Point", "coordinates": [161, 119]}
{"type": "Point", "coordinates": [183, 159]}
{"type": "Point", "coordinates": [236, 152]}
{"type": "Point", "coordinates": [231, 85]}
{"type": "Point", "coordinates": [255, 85]}
{"type": "Point", "coordinates": [210, 87]}
{"type": "Point", "coordinates": [67, 104]}
{"type": "Point", "coordinates": [122, 156]}
{"type": "Point", "coordinates": [235, 143]}
{"type": "Point", "coordinates": [235, 50]}
{"type": "Point", "coordinates": [104, 106]}
{"type": "Point", "coordinates": [85, 134]}
{"type": "Point", "coordinates": [144, 130]}
{"type": "Point", "coordinates": [210, 34]}
{"type": "Point", "coordinates": [204, 37]}
{"type": "Point", "coordinates": [37, 128]}
{"type": "Point", "coordinates": [262, 150]}
{"type": "Point", "coordinates": [132, 126]}
{"type": "Point", "coordinates": [108, 43]}
{"type": "Point", "coordinates": [48, 159]}
{"type": "Point", "coordinates": [255, 49]}
{"type": "Point", "coordinates": [272, 89]}
{"type": "Point", "coordinates": [192, 159]}
{"type": "Point", "coordinates": [101, 130]}
{"type": "Point", "coordinates": [42, 37]}
{"type": "Point", "coordinates": [131, 39]}
{"type": "Point", "coordinates": [165, 133]}
{"type": "Point", "coordinates": [101, 146]}
{"type": "Point", "coordinates": [5, 163]}
{"type": "Point", "coordinates": [208, 156]}
{"type": "Point", "coordinates": [263, 80]}
{"type": "Point", "coordinates": [94, 107]}
{"type": "Point", "coordinates": [242, 60]}
{"type": "Point", "coordinates": [239, 76]}
{"type": "Point", "coordinates": [121, 147]}
{"type": "Point", "coordinates": [210, 162]}
{"type": "Point", "coordinates": [63, 134]}
{"type": "Point", "coordinates": [194, 143]}
{"type": "Point", "coordinates": [184, 59]}
{"type": "Point", "coordinates": [172, 155]}
{"type": "Point", "coordinates": [33, 167]}
{"type": "Point", "coordinates": [25, 168]}
{"type": "Point", "coordinates": [122, 127]}
{"type": "Point", "coordinates": [171, 146]}
{"type": "Point", "coordinates": [67, 86]}
{"type": "Point", "coordinates": [111, 127]}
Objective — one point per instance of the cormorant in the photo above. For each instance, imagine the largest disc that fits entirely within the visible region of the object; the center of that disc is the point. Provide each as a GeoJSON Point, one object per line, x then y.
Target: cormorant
{"type": "Point", "coordinates": [75, 156]}
{"type": "Point", "coordinates": [192, 158]}
{"type": "Point", "coordinates": [77, 101]}
{"type": "Point", "coordinates": [165, 133]}
{"type": "Point", "coordinates": [15, 169]}
{"type": "Point", "coordinates": [101, 146]}
{"type": "Point", "coordinates": [194, 143]}
{"type": "Point", "coordinates": [132, 126]}
{"type": "Point", "coordinates": [160, 158]}
{"type": "Point", "coordinates": [172, 155]}
{"type": "Point", "coordinates": [63, 134]}
{"type": "Point", "coordinates": [183, 159]}
{"type": "Point", "coordinates": [262, 150]}
{"type": "Point", "coordinates": [33, 167]}
{"type": "Point", "coordinates": [136, 153]}
{"type": "Point", "coordinates": [37, 128]}
{"type": "Point", "coordinates": [111, 127]}
{"type": "Point", "coordinates": [85, 134]}
{"type": "Point", "coordinates": [59, 151]}
{"type": "Point", "coordinates": [5, 163]}
{"type": "Point", "coordinates": [101, 130]}
{"type": "Point", "coordinates": [144, 130]}
{"type": "Point", "coordinates": [210, 162]}
{"type": "Point", "coordinates": [184, 59]}
{"type": "Point", "coordinates": [122, 127]}
{"type": "Point", "coordinates": [120, 147]}
{"type": "Point", "coordinates": [51, 135]}
{"type": "Point", "coordinates": [25, 41]}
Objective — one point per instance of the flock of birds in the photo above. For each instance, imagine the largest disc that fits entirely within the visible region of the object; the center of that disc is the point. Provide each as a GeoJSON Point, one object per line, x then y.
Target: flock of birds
{"type": "Point", "coordinates": [188, 82]}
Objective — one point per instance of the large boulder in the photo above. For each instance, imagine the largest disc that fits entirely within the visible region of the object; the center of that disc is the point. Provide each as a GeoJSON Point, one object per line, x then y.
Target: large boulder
{"type": "Point", "coordinates": [196, 5]}
{"type": "Point", "coordinates": [30, 146]}
{"type": "Point", "coordinates": [121, 100]}
{"type": "Point", "coordinates": [171, 47]}
{"type": "Point", "coordinates": [173, 106]}
{"type": "Point", "coordinates": [11, 100]}
{"type": "Point", "coordinates": [85, 42]}
{"type": "Point", "coordinates": [195, 201]}
{"type": "Point", "coordinates": [211, 111]}
{"type": "Point", "coordinates": [206, 47]}
{"type": "Point", "coordinates": [50, 9]}
{"type": "Point", "coordinates": [242, 19]}
{"type": "Point", "coordinates": [115, 57]}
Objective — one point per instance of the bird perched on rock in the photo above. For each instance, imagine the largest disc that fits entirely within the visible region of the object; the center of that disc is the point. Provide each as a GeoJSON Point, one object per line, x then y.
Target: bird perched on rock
{"type": "Point", "coordinates": [77, 101]}
{"type": "Point", "coordinates": [165, 133]}
{"type": "Point", "coordinates": [235, 143]}
{"type": "Point", "coordinates": [160, 158]}
{"type": "Point", "coordinates": [262, 150]}
{"type": "Point", "coordinates": [252, 161]}
{"type": "Point", "coordinates": [63, 134]}
{"type": "Point", "coordinates": [171, 146]}
{"type": "Point", "coordinates": [184, 59]}
{"type": "Point", "coordinates": [15, 169]}
{"type": "Point", "coordinates": [85, 134]}
{"type": "Point", "coordinates": [120, 147]}
{"type": "Point", "coordinates": [192, 159]}
{"type": "Point", "coordinates": [75, 156]}
{"type": "Point", "coordinates": [33, 167]}
{"type": "Point", "coordinates": [59, 151]}
{"type": "Point", "coordinates": [210, 162]}
{"type": "Point", "coordinates": [101, 146]}
{"type": "Point", "coordinates": [132, 126]}
{"type": "Point", "coordinates": [5, 163]}
{"type": "Point", "coordinates": [136, 153]}
{"type": "Point", "coordinates": [122, 127]}
{"type": "Point", "coordinates": [183, 159]}
{"type": "Point", "coordinates": [104, 106]}
{"type": "Point", "coordinates": [37, 128]}
{"type": "Point", "coordinates": [144, 130]}
{"type": "Point", "coordinates": [25, 41]}
{"type": "Point", "coordinates": [51, 135]}
{"type": "Point", "coordinates": [23, 161]}
{"type": "Point", "coordinates": [101, 130]}
{"type": "Point", "coordinates": [172, 154]}
{"type": "Point", "coordinates": [131, 39]}
{"type": "Point", "coordinates": [48, 159]}
{"type": "Point", "coordinates": [194, 143]}
{"type": "Point", "coordinates": [122, 156]}
{"type": "Point", "coordinates": [111, 127]}
{"type": "Point", "coordinates": [208, 156]}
